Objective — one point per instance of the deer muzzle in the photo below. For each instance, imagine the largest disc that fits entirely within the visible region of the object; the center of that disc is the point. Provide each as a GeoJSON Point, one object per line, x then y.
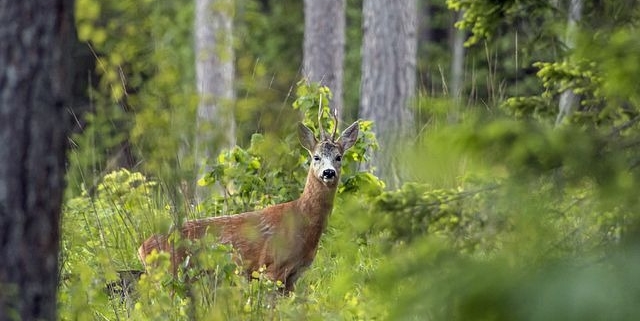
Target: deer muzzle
{"type": "Point", "coordinates": [328, 175]}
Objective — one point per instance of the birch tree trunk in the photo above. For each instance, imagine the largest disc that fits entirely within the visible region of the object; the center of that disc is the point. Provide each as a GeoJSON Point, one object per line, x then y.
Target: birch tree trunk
{"type": "Point", "coordinates": [35, 89]}
{"type": "Point", "coordinates": [324, 41]}
{"type": "Point", "coordinates": [388, 77]}
{"type": "Point", "coordinates": [568, 99]}
{"type": "Point", "coordinates": [215, 125]}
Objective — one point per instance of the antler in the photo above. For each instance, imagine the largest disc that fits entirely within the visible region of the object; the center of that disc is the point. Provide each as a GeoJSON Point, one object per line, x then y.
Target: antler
{"type": "Point", "coordinates": [335, 125]}
{"type": "Point", "coordinates": [323, 134]}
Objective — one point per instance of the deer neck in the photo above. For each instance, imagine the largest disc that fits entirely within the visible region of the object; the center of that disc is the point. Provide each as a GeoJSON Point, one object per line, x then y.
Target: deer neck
{"type": "Point", "coordinates": [316, 201]}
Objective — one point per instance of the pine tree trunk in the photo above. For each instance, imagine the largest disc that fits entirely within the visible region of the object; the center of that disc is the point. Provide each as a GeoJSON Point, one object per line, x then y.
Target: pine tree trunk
{"type": "Point", "coordinates": [388, 77]}
{"type": "Point", "coordinates": [35, 85]}
{"type": "Point", "coordinates": [568, 99]}
{"type": "Point", "coordinates": [324, 41]}
{"type": "Point", "coordinates": [457, 61]}
{"type": "Point", "coordinates": [214, 76]}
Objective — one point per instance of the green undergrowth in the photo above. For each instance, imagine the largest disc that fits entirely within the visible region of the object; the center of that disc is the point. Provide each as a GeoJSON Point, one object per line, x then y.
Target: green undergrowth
{"type": "Point", "coordinates": [504, 218]}
{"type": "Point", "coordinates": [481, 250]}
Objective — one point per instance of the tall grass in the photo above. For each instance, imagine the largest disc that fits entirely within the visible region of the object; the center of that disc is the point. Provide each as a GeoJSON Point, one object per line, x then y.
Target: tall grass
{"type": "Point", "coordinates": [488, 245]}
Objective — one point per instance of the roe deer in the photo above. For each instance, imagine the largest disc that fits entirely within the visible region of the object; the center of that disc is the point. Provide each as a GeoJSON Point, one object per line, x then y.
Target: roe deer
{"type": "Point", "coordinates": [283, 237]}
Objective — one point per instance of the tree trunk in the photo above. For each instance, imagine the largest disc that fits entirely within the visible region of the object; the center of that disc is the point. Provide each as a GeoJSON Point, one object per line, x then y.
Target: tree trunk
{"type": "Point", "coordinates": [388, 77]}
{"type": "Point", "coordinates": [457, 60]}
{"type": "Point", "coordinates": [324, 41]}
{"type": "Point", "coordinates": [568, 99]}
{"type": "Point", "coordinates": [214, 76]}
{"type": "Point", "coordinates": [35, 86]}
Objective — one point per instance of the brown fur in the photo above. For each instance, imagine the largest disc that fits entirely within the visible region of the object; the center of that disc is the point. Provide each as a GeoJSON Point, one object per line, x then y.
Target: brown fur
{"type": "Point", "coordinates": [284, 237]}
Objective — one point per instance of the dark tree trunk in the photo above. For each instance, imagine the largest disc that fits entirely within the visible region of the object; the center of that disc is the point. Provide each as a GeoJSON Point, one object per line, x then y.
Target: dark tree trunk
{"type": "Point", "coordinates": [324, 41]}
{"type": "Point", "coordinates": [388, 77]}
{"type": "Point", "coordinates": [35, 84]}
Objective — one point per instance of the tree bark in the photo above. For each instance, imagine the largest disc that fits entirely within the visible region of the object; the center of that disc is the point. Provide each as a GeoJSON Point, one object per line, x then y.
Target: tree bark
{"type": "Point", "coordinates": [457, 61]}
{"type": "Point", "coordinates": [388, 77]}
{"type": "Point", "coordinates": [568, 99]}
{"type": "Point", "coordinates": [214, 76]}
{"type": "Point", "coordinates": [35, 85]}
{"type": "Point", "coordinates": [324, 41]}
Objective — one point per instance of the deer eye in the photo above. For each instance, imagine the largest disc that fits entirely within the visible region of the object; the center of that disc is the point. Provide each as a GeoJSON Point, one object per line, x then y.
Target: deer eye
{"type": "Point", "coordinates": [316, 158]}
{"type": "Point", "coordinates": [338, 158]}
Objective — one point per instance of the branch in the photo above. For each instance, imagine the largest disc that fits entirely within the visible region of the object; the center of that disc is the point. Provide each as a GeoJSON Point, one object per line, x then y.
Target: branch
{"type": "Point", "coordinates": [617, 130]}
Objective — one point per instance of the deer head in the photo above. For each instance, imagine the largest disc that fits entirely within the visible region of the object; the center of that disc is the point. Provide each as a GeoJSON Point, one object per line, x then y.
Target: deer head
{"type": "Point", "coordinates": [326, 153]}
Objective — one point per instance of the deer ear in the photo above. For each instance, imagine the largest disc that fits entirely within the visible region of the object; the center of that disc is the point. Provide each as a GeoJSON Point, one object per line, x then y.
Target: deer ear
{"type": "Point", "coordinates": [306, 137]}
{"type": "Point", "coordinates": [349, 136]}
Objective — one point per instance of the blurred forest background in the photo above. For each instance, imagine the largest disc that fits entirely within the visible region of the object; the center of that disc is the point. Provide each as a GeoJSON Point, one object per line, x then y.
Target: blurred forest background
{"type": "Point", "coordinates": [496, 177]}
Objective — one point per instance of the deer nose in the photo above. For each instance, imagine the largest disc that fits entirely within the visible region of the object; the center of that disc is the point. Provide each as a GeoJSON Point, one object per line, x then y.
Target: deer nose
{"type": "Point", "coordinates": [328, 173]}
